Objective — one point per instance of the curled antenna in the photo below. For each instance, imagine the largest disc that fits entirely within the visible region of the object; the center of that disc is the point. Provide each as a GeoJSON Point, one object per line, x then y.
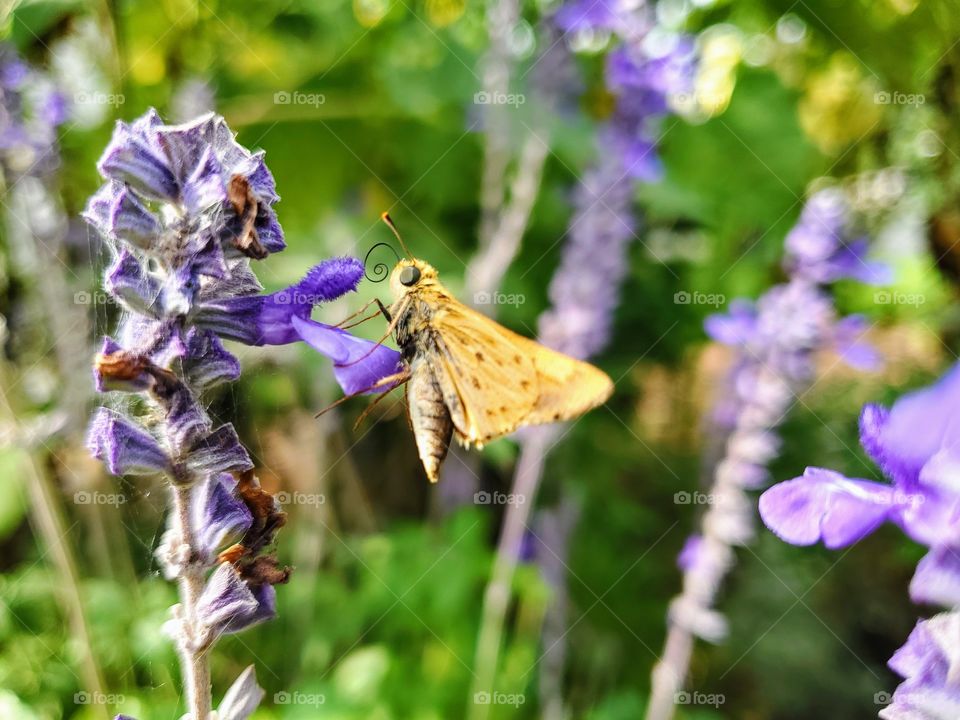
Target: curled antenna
{"type": "Point", "coordinates": [396, 233]}
{"type": "Point", "coordinates": [380, 270]}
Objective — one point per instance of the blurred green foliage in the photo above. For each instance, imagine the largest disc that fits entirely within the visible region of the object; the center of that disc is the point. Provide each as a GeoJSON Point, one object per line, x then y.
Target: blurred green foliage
{"type": "Point", "coordinates": [381, 617]}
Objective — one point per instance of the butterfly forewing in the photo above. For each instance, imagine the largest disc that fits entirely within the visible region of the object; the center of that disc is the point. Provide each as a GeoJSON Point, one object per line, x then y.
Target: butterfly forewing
{"type": "Point", "coordinates": [503, 380]}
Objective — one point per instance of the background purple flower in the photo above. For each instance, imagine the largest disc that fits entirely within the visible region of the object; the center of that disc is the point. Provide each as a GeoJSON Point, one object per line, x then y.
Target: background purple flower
{"type": "Point", "coordinates": [917, 445]}
{"type": "Point", "coordinates": [776, 340]}
{"type": "Point", "coordinates": [31, 110]}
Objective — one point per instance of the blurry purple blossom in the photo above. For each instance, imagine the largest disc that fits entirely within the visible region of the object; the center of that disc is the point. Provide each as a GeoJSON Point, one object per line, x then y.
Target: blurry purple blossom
{"type": "Point", "coordinates": [923, 499]}
{"type": "Point", "coordinates": [31, 109]}
{"type": "Point", "coordinates": [776, 340]}
{"type": "Point", "coordinates": [585, 289]}
{"type": "Point", "coordinates": [820, 247]}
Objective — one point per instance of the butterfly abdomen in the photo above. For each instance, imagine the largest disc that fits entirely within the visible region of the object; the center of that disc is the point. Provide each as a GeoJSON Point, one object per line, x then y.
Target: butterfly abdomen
{"type": "Point", "coordinates": [432, 425]}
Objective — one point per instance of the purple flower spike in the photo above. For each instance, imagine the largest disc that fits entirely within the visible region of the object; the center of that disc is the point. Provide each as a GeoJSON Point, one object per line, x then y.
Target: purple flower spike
{"type": "Point", "coordinates": [358, 364]}
{"type": "Point", "coordinates": [184, 210]}
{"type": "Point", "coordinates": [31, 108]}
{"type": "Point", "coordinates": [776, 341]}
{"type": "Point", "coordinates": [123, 447]}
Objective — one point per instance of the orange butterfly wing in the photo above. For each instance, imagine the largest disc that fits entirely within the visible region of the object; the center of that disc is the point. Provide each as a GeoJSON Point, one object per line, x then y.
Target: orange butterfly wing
{"type": "Point", "coordinates": [497, 380]}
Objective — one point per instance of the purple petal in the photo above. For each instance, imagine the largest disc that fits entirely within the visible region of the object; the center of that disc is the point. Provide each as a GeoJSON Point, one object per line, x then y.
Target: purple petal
{"type": "Point", "coordinates": [689, 553]}
{"type": "Point", "coordinates": [937, 579]}
{"type": "Point", "coordinates": [892, 438]}
{"type": "Point", "coordinates": [204, 187]}
{"type": "Point", "coordinates": [736, 327]}
{"type": "Point", "coordinates": [124, 448]}
{"type": "Point", "coordinates": [228, 604]}
{"type": "Point", "coordinates": [917, 655]}
{"type": "Point", "coordinates": [327, 281]}
{"type": "Point", "coordinates": [186, 423]}
{"type": "Point", "coordinates": [243, 697]}
{"type": "Point", "coordinates": [130, 158]}
{"type": "Point", "coordinates": [218, 452]}
{"type": "Point", "coordinates": [207, 362]}
{"type": "Point", "coordinates": [269, 231]}
{"type": "Point", "coordinates": [824, 505]}
{"type": "Point", "coordinates": [847, 339]}
{"type": "Point", "coordinates": [127, 281]}
{"type": "Point", "coordinates": [117, 213]}
{"type": "Point", "coordinates": [267, 319]}
{"type": "Point", "coordinates": [219, 514]}
{"type": "Point", "coordinates": [358, 364]}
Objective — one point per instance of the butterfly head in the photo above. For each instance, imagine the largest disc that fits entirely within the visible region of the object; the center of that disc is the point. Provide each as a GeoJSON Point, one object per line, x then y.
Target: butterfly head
{"type": "Point", "coordinates": [411, 274]}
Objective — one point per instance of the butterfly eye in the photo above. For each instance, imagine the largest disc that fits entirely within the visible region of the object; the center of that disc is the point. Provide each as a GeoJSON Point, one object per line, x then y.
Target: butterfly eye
{"type": "Point", "coordinates": [409, 276]}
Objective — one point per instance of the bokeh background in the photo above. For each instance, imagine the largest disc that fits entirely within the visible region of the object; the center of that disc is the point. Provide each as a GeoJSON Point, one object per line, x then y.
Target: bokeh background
{"type": "Point", "coordinates": [368, 106]}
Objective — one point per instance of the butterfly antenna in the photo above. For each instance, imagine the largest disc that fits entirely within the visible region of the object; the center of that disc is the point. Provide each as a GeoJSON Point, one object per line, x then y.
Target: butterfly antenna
{"type": "Point", "coordinates": [385, 216]}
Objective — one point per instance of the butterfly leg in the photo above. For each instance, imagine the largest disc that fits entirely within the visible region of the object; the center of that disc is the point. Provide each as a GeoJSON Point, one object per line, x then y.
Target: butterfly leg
{"type": "Point", "coordinates": [389, 382]}
{"type": "Point", "coordinates": [404, 377]}
{"type": "Point", "coordinates": [390, 328]}
{"type": "Point", "coordinates": [343, 323]}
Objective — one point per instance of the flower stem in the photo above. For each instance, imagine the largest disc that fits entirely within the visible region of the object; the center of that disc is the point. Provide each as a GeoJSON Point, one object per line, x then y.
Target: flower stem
{"type": "Point", "coordinates": [726, 524]}
{"type": "Point", "coordinates": [193, 654]}
{"type": "Point", "coordinates": [497, 595]}
{"type": "Point", "coordinates": [48, 521]}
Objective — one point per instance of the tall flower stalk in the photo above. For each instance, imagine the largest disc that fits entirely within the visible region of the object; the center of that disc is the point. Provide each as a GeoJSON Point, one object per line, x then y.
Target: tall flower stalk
{"type": "Point", "coordinates": [776, 340]}
{"type": "Point", "coordinates": [585, 290]}
{"type": "Point", "coordinates": [184, 209]}
{"type": "Point", "coordinates": [916, 443]}
{"type": "Point", "coordinates": [32, 109]}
